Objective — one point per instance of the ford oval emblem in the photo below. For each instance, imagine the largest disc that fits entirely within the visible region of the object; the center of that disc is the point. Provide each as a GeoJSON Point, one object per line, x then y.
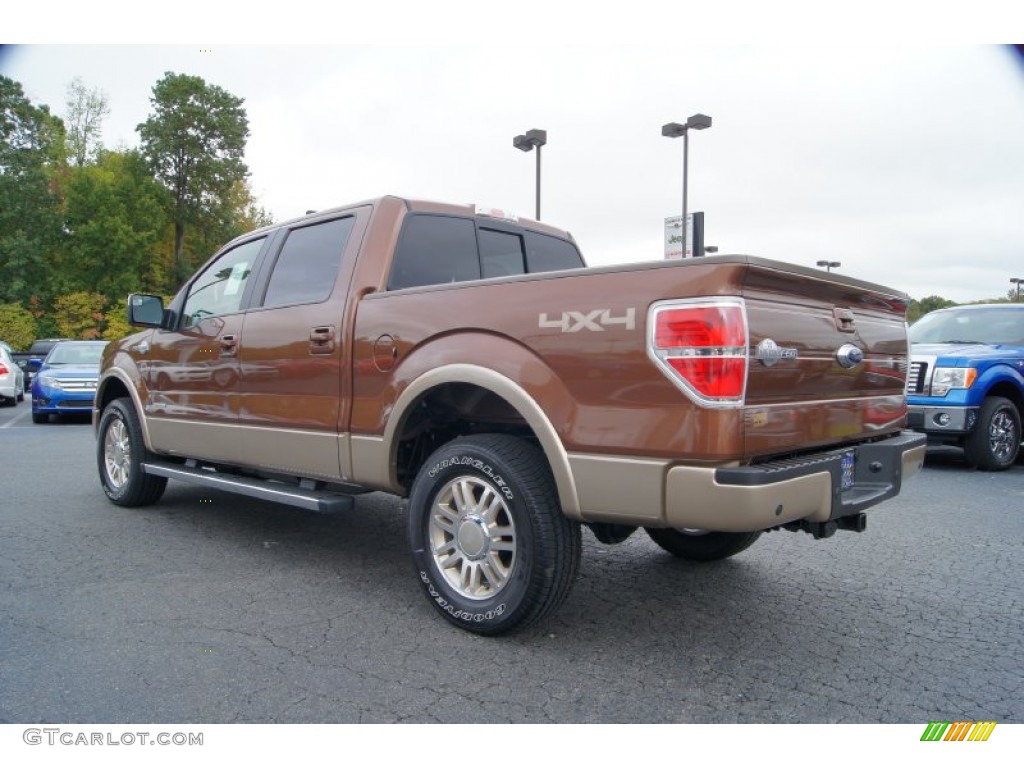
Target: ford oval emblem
{"type": "Point", "coordinates": [849, 355]}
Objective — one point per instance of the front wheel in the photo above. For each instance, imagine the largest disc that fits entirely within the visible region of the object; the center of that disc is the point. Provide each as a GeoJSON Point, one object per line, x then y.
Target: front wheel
{"type": "Point", "coordinates": [492, 549]}
{"type": "Point", "coordinates": [703, 546]}
{"type": "Point", "coordinates": [120, 454]}
{"type": "Point", "coordinates": [995, 441]}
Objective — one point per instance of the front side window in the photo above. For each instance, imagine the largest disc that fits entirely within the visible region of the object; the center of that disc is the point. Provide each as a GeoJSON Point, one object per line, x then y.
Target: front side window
{"type": "Point", "coordinates": [218, 289]}
{"type": "Point", "coordinates": [308, 264]}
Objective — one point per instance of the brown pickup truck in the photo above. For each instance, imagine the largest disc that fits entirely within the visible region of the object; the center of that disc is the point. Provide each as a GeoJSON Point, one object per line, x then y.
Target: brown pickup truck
{"type": "Point", "coordinates": [470, 362]}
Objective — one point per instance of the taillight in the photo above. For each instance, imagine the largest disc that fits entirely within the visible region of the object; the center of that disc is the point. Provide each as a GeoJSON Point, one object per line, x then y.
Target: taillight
{"type": "Point", "coordinates": [4, 369]}
{"type": "Point", "coordinates": [702, 346]}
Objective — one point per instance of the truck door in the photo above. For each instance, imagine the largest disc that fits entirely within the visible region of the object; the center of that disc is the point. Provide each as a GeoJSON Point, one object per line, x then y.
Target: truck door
{"type": "Point", "coordinates": [194, 368]}
{"type": "Point", "coordinates": [295, 361]}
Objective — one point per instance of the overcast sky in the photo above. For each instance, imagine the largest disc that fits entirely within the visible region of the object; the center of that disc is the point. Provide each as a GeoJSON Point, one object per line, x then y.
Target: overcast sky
{"type": "Point", "coordinates": [904, 162]}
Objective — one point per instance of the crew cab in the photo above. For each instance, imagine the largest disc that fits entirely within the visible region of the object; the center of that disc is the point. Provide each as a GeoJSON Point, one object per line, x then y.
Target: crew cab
{"type": "Point", "coordinates": [966, 383]}
{"type": "Point", "coordinates": [468, 361]}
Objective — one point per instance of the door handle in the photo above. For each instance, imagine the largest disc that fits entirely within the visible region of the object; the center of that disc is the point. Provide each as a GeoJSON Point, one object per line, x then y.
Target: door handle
{"type": "Point", "coordinates": [228, 345]}
{"type": "Point", "coordinates": [845, 321]}
{"type": "Point", "coordinates": [321, 340]}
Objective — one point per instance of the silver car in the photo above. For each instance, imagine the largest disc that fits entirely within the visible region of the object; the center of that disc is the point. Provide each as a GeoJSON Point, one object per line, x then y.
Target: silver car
{"type": "Point", "coordinates": [12, 380]}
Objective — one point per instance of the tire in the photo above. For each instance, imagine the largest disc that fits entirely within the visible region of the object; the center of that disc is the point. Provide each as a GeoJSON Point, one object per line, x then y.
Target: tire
{"type": "Point", "coordinates": [120, 454]}
{"type": "Point", "coordinates": [702, 546]}
{"type": "Point", "coordinates": [995, 441]}
{"type": "Point", "coordinates": [21, 396]}
{"type": "Point", "coordinates": [7, 401]}
{"type": "Point", "coordinates": [492, 549]}
{"type": "Point", "coordinates": [40, 418]}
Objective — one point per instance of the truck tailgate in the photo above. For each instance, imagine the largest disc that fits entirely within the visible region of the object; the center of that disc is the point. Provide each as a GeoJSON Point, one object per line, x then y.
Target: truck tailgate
{"type": "Point", "coordinates": [828, 359]}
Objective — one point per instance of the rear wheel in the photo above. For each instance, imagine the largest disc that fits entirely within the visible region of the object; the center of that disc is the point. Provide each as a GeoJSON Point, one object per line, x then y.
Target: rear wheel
{"type": "Point", "coordinates": [995, 441]}
{"type": "Point", "coordinates": [120, 454]}
{"type": "Point", "coordinates": [491, 546]}
{"type": "Point", "coordinates": [703, 546]}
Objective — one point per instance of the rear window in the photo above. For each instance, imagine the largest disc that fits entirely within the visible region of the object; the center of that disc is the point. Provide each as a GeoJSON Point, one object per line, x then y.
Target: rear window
{"type": "Point", "coordinates": [547, 254]}
{"type": "Point", "coordinates": [433, 250]}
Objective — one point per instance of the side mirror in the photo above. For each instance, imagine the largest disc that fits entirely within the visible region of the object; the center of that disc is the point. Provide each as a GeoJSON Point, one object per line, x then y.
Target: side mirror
{"type": "Point", "coordinates": [35, 362]}
{"type": "Point", "coordinates": [145, 310]}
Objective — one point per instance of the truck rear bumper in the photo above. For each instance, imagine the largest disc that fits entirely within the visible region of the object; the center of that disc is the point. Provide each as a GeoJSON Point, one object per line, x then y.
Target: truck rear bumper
{"type": "Point", "coordinates": [763, 496]}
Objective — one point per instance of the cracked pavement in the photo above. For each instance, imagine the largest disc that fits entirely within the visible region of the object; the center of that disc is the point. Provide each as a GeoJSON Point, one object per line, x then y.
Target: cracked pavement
{"type": "Point", "coordinates": [211, 608]}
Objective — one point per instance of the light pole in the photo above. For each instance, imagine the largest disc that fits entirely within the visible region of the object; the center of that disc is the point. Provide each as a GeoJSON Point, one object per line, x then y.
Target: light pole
{"type": "Point", "coordinates": [1018, 281]}
{"type": "Point", "coordinates": [830, 265]}
{"type": "Point", "coordinates": [527, 141]}
{"type": "Point", "coordinates": [697, 122]}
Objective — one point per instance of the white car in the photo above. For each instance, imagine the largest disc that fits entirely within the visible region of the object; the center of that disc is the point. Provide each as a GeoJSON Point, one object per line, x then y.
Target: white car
{"type": "Point", "coordinates": [12, 380]}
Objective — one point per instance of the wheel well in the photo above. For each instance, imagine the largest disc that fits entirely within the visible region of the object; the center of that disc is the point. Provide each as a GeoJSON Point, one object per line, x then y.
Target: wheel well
{"type": "Point", "coordinates": [1010, 392]}
{"type": "Point", "coordinates": [448, 411]}
{"type": "Point", "coordinates": [113, 389]}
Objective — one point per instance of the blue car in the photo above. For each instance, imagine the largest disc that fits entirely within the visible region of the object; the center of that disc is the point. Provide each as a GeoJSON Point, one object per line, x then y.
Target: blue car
{"type": "Point", "coordinates": [66, 381]}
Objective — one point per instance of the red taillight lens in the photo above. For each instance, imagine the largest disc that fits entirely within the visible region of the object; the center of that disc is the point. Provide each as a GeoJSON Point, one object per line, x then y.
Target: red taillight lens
{"type": "Point", "coordinates": [3, 369]}
{"type": "Point", "coordinates": [719, 326]}
{"type": "Point", "coordinates": [703, 348]}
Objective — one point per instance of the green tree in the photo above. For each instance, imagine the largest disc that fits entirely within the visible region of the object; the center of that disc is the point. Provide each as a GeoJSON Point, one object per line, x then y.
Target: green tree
{"type": "Point", "coordinates": [234, 214]}
{"type": "Point", "coordinates": [115, 221]}
{"type": "Point", "coordinates": [31, 158]}
{"type": "Point", "coordinates": [928, 304]}
{"type": "Point", "coordinates": [17, 326]}
{"type": "Point", "coordinates": [115, 321]}
{"type": "Point", "coordinates": [79, 315]}
{"type": "Point", "coordinates": [85, 111]}
{"type": "Point", "coordinates": [194, 142]}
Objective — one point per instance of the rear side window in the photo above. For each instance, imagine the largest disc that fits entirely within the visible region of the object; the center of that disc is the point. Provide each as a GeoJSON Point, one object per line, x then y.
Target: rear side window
{"type": "Point", "coordinates": [501, 253]}
{"type": "Point", "coordinates": [308, 263]}
{"type": "Point", "coordinates": [434, 250]}
{"type": "Point", "coordinates": [547, 254]}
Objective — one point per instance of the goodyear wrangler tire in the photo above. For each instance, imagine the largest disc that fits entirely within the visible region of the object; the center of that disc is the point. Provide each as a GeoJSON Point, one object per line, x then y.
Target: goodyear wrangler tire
{"type": "Point", "coordinates": [120, 453]}
{"type": "Point", "coordinates": [492, 549]}
{"type": "Point", "coordinates": [703, 546]}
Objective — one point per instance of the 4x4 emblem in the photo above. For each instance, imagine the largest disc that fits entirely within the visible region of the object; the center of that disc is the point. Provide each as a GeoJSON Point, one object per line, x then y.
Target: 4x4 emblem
{"type": "Point", "coordinates": [595, 320]}
{"type": "Point", "coordinates": [769, 353]}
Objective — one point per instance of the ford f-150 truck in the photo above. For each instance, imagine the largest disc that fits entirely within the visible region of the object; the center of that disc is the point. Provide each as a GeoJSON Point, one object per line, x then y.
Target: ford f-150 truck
{"type": "Point", "coordinates": [468, 361]}
{"type": "Point", "coordinates": [966, 383]}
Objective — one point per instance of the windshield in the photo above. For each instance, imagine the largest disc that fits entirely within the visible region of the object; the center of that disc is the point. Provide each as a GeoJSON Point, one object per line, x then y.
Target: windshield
{"type": "Point", "coordinates": [76, 354]}
{"type": "Point", "coordinates": [971, 325]}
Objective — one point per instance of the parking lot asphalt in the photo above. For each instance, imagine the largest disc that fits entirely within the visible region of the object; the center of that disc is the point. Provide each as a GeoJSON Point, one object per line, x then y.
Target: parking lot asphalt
{"type": "Point", "coordinates": [209, 608]}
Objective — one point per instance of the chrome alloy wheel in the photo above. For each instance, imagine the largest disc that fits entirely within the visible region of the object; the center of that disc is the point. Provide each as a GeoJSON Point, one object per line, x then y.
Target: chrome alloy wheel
{"type": "Point", "coordinates": [117, 453]}
{"type": "Point", "coordinates": [1002, 435]}
{"type": "Point", "coordinates": [472, 537]}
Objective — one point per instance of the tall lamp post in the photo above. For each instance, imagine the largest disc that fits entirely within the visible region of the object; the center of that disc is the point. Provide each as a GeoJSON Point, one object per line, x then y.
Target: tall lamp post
{"type": "Point", "coordinates": [697, 122]}
{"type": "Point", "coordinates": [527, 141]}
{"type": "Point", "coordinates": [1018, 281]}
{"type": "Point", "coordinates": [830, 265]}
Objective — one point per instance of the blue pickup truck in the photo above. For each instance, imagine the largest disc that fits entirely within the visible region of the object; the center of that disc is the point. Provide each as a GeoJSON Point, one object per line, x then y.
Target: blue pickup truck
{"type": "Point", "coordinates": [966, 381]}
